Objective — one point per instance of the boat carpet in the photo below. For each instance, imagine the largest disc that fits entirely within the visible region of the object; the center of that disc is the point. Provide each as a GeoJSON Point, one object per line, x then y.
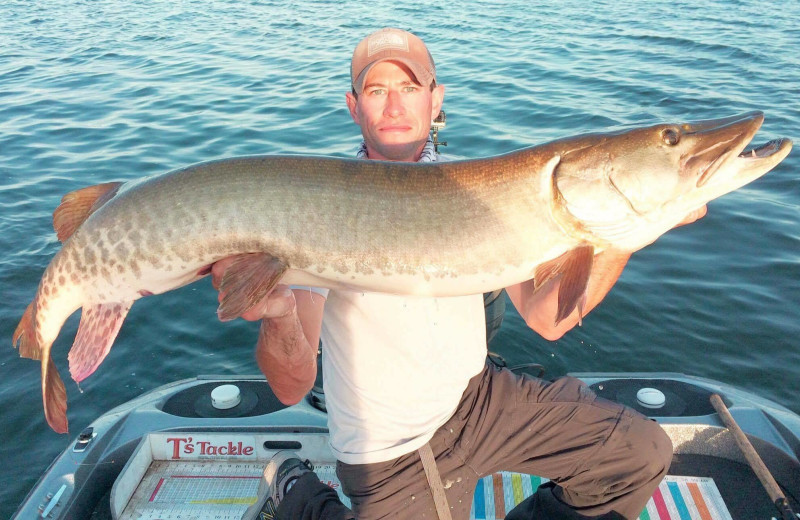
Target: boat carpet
{"type": "Point", "coordinates": [698, 487]}
{"type": "Point", "coordinates": [738, 485]}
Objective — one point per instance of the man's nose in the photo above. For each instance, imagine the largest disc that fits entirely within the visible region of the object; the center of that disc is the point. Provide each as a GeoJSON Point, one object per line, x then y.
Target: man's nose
{"type": "Point", "coordinates": [394, 104]}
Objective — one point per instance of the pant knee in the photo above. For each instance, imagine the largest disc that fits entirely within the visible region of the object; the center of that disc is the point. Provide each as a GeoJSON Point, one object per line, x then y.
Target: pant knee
{"type": "Point", "coordinates": [654, 446]}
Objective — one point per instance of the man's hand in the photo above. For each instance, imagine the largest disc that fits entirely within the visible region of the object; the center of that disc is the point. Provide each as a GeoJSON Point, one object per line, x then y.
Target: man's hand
{"type": "Point", "coordinates": [693, 216]}
{"type": "Point", "coordinates": [278, 303]}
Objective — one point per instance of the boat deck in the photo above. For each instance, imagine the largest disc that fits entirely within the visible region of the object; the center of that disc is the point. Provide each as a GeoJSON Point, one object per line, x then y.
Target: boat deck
{"type": "Point", "coordinates": [170, 455]}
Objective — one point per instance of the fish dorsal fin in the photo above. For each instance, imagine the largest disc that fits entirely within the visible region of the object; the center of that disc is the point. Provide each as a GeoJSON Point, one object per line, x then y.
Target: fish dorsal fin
{"type": "Point", "coordinates": [574, 267]}
{"type": "Point", "coordinates": [96, 333]}
{"type": "Point", "coordinates": [76, 206]}
{"type": "Point", "coordinates": [246, 281]}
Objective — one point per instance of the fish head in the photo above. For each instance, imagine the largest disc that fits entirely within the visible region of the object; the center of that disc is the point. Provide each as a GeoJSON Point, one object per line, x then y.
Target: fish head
{"type": "Point", "coordinates": [627, 188]}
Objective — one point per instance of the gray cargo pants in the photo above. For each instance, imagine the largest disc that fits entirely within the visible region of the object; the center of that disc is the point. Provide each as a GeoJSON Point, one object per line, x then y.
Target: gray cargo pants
{"type": "Point", "coordinates": [606, 459]}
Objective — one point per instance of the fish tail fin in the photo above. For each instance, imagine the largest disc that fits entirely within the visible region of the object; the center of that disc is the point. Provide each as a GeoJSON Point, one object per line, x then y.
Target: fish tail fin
{"type": "Point", "coordinates": [96, 333]}
{"type": "Point", "coordinates": [25, 334]}
{"type": "Point", "coordinates": [246, 281]}
{"type": "Point", "coordinates": [54, 396]}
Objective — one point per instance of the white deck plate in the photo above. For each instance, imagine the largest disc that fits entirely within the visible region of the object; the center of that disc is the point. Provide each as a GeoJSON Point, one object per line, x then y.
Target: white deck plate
{"type": "Point", "coordinates": [208, 490]}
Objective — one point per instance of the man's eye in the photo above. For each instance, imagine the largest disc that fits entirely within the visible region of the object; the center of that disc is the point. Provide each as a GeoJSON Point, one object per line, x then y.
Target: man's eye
{"type": "Point", "coordinates": [410, 88]}
{"type": "Point", "coordinates": [376, 92]}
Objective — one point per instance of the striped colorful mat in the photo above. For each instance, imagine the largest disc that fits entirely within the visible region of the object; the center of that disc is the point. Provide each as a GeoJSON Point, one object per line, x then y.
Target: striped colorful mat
{"type": "Point", "coordinates": [677, 498]}
{"type": "Point", "coordinates": [686, 498]}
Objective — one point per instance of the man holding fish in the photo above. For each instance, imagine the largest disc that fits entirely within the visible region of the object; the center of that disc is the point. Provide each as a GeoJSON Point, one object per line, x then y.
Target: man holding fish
{"type": "Point", "coordinates": [406, 250]}
{"type": "Point", "coordinates": [406, 377]}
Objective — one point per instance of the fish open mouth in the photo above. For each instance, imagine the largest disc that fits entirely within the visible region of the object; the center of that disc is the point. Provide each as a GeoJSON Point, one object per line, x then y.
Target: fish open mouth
{"type": "Point", "coordinates": [752, 157]}
{"type": "Point", "coordinates": [764, 150]}
{"type": "Point", "coordinates": [752, 162]}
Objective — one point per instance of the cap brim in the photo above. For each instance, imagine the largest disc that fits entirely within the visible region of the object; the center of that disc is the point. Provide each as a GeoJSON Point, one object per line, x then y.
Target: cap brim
{"type": "Point", "coordinates": [421, 74]}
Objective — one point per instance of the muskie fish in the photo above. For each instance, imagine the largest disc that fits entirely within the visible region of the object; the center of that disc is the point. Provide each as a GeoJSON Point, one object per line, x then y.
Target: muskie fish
{"type": "Point", "coordinates": [440, 229]}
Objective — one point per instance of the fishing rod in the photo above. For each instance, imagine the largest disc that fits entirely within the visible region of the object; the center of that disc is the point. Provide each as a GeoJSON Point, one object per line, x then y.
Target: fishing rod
{"type": "Point", "coordinates": [754, 460]}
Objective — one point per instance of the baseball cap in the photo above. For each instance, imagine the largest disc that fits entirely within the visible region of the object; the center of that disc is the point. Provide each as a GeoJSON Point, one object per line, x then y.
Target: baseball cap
{"type": "Point", "coordinates": [394, 45]}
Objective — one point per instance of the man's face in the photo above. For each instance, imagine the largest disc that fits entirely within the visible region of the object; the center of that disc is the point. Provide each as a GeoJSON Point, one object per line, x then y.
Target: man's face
{"type": "Point", "coordinates": [394, 112]}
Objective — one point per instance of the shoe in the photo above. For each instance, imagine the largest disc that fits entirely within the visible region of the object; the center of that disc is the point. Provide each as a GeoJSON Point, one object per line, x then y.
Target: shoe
{"type": "Point", "coordinates": [282, 471]}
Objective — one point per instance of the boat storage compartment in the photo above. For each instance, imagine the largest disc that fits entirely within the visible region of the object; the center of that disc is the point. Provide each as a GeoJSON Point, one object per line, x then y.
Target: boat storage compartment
{"type": "Point", "coordinates": [201, 475]}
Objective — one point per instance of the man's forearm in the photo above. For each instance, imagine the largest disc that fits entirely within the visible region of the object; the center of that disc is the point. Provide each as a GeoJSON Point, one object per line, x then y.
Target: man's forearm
{"type": "Point", "coordinates": [285, 357]}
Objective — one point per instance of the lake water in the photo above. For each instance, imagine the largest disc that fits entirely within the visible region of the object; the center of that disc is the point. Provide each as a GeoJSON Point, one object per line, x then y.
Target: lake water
{"type": "Point", "coordinates": [94, 91]}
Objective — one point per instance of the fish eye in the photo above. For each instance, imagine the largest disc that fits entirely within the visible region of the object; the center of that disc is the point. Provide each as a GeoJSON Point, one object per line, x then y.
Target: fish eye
{"type": "Point", "coordinates": [671, 136]}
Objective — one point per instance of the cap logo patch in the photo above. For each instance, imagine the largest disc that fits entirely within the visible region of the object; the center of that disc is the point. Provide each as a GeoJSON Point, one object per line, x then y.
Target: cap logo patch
{"type": "Point", "coordinates": [387, 41]}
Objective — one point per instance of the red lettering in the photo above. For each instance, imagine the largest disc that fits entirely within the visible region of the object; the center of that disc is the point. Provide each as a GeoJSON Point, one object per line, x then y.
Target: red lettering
{"type": "Point", "coordinates": [186, 446]}
{"type": "Point", "coordinates": [176, 446]}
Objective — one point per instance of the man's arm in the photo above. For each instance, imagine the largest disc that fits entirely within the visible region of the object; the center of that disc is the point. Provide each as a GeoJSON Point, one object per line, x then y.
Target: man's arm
{"type": "Point", "coordinates": [539, 309]}
{"type": "Point", "coordinates": [286, 351]}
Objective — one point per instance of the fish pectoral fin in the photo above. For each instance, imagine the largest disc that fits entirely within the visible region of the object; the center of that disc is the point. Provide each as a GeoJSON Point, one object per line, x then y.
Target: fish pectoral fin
{"type": "Point", "coordinates": [54, 396]}
{"type": "Point", "coordinates": [96, 333]}
{"type": "Point", "coordinates": [246, 281]}
{"type": "Point", "coordinates": [76, 206]}
{"type": "Point", "coordinates": [574, 267]}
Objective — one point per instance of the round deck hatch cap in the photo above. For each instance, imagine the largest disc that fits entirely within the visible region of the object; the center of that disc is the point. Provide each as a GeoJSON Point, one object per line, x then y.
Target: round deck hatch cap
{"type": "Point", "coordinates": [651, 397]}
{"type": "Point", "coordinates": [224, 397]}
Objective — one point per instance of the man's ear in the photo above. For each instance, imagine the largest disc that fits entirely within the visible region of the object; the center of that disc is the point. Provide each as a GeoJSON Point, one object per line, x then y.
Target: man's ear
{"type": "Point", "coordinates": [351, 106]}
{"type": "Point", "coordinates": [437, 98]}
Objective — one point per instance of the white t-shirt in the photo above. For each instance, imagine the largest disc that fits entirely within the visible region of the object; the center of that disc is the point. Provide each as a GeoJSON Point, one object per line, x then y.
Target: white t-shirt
{"type": "Point", "coordinates": [395, 369]}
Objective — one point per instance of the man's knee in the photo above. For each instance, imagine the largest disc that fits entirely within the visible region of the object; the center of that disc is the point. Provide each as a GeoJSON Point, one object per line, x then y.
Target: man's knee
{"type": "Point", "coordinates": [653, 446]}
